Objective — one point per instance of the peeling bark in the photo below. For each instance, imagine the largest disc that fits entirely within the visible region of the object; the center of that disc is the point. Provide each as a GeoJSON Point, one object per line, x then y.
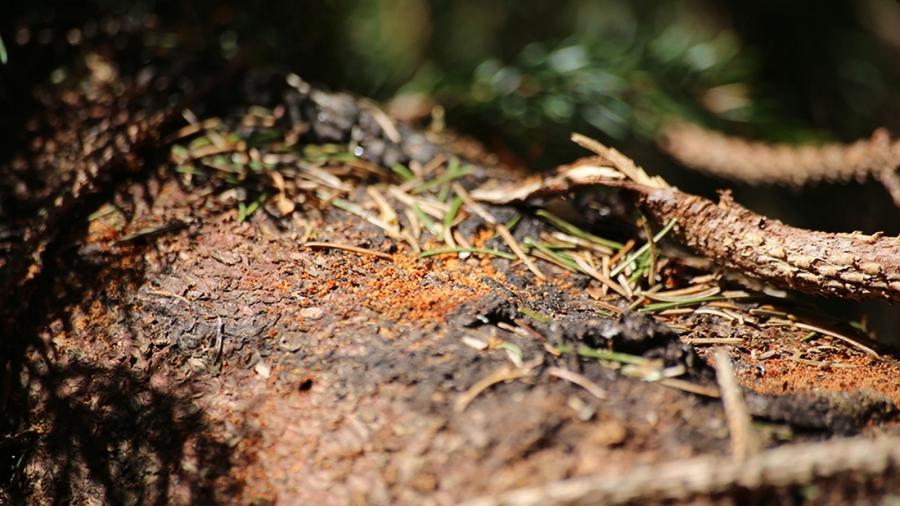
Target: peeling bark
{"type": "Point", "coordinates": [855, 266]}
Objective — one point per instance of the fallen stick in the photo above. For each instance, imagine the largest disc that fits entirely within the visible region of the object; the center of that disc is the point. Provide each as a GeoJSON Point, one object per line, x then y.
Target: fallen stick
{"type": "Point", "coordinates": [759, 162]}
{"type": "Point", "coordinates": [784, 466]}
{"type": "Point", "coordinates": [856, 266]}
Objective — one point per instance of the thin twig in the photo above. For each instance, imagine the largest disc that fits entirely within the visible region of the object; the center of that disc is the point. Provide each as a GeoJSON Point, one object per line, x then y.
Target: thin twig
{"type": "Point", "coordinates": [687, 386]}
{"type": "Point", "coordinates": [740, 424]}
{"type": "Point", "coordinates": [759, 162]}
{"type": "Point", "coordinates": [830, 333]}
{"type": "Point", "coordinates": [619, 161]}
{"type": "Point", "coordinates": [714, 340]}
{"type": "Point", "coordinates": [684, 479]}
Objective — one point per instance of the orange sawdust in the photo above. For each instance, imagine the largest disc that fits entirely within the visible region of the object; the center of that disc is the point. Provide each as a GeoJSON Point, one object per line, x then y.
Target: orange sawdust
{"type": "Point", "coordinates": [860, 373]}
{"type": "Point", "coordinates": [99, 232]}
{"type": "Point", "coordinates": [282, 285]}
{"type": "Point", "coordinates": [482, 237]}
{"type": "Point", "coordinates": [400, 289]}
{"type": "Point", "coordinates": [564, 281]}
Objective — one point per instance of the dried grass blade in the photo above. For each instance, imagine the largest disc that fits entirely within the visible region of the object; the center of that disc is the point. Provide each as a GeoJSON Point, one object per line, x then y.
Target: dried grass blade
{"type": "Point", "coordinates": [686, 302]}
{"type": "Point", "coordinates": [592, 272]}
{"type": "Point", "coordinates": [571, 229]}
{"type": "Point", "coordinates": [578, 379]}
{"type": "Point", "coordinates": [387, 213]}
{"type": "Point", "coordinates": [651, 273]}
{"type": "Point", "coordinates": [520, 253]}
{"type": "Point", "coordinates": [841, 337]}
{"type": "Point", "coordinates": [389, 229]}
{"type": "Point", "coordinates": [472, 206]}
{"type": "Point", "coordinates": [577, 241]}
{"type": "Point", "coordinates": [347, 247]}
{"type": "Point", "coordinates": [449, 218]}
{"type": "Point", "coordinates": [685, 293]}
{"type": "Point", "coordinates": [643, 249]}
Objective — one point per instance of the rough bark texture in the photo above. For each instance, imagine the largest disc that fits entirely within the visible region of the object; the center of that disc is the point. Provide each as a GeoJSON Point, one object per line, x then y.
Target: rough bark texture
{"type": "Point", "coordinates": [759, 162]}
{"type": "Point", "coordinates": [856, 265]}
{"type": "Point", "coordinates": [224, 362]}
{"type": "Point", "coordinates": [90, 163]}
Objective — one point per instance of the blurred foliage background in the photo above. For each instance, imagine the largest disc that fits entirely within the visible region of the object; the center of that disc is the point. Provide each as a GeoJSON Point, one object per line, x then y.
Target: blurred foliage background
{"type": "Point", "coordinates": [520, 75]}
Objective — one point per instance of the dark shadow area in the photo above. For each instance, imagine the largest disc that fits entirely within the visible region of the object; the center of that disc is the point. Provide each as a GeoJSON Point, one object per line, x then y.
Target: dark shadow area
{"type": "Point", "coordinates": [130, 439]}
{"type": "Point", "coordinates": [88, 427]}
{"type": "Point", "coordinates": [76, 426]}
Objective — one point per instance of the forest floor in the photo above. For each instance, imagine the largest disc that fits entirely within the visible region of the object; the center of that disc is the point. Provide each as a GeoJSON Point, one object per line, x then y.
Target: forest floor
{"type": "Point", "coordinates": [259, 316]}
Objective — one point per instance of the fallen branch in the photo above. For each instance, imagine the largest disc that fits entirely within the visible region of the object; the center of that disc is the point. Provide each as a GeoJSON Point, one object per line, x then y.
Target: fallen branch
{"type": "Point", "coordinates": [759, 162]}
{"type": "Point", "coordinates": [855, 265]}
{"type": "Point", "coordinates": [785, 466]}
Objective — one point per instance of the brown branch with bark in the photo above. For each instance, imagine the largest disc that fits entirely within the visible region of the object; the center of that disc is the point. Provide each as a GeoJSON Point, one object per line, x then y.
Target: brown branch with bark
{"type": "Point", "coordinates": [759, 162]}
{"type": "Point", "coordinates": [681, 480]}
{"type": "Point", "coordinates": [855, 266]}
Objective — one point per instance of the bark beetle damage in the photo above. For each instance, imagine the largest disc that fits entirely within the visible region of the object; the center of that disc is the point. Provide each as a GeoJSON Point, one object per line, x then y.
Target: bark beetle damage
{"type": "Point", "coordinates": [759, 162]}
{"type": "Point", "coordinates": [855, 266]}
